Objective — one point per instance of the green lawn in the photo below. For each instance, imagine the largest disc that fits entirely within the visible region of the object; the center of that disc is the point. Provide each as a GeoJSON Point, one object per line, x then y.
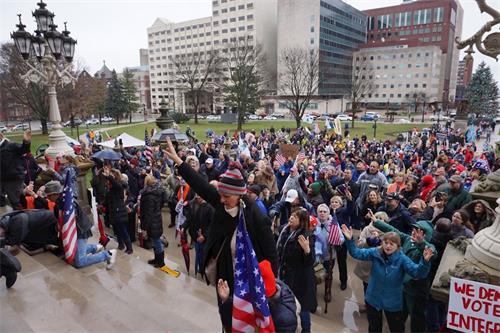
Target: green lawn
{"type": "Point", "coordinates": [384, 131]}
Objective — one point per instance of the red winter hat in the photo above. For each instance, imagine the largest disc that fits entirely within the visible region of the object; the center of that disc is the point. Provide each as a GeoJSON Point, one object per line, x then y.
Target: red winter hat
{"type": "Point", "coordinates": [268, 276]}
{"type": "Point", "coordinates": [427, 179]}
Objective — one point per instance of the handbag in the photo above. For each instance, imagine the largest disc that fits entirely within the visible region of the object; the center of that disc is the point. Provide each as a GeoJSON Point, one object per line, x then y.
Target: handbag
{"type": "Point", "coordinates": [211, 269]}
{"type": "Point", "coordinates": [319, 272]}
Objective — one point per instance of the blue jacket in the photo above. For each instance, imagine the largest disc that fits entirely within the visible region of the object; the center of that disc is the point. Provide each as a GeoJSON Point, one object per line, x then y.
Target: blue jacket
{"type": "Point", "coordinates": [385, 287]}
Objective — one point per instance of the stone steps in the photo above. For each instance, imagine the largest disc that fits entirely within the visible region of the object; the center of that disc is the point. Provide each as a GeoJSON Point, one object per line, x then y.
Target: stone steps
{"type": "Point", "coordinates": [53, 296]}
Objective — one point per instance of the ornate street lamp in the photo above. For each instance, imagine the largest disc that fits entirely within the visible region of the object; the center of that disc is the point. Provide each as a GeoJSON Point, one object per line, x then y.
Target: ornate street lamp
{"type": "Point", "coordinates": [54, 53]}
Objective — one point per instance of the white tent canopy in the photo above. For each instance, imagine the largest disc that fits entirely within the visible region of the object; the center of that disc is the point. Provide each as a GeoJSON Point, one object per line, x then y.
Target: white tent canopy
{"type": "Point", "coordinates": [70, 141]}
{"type": "Point", "coordinates": [128, 141]}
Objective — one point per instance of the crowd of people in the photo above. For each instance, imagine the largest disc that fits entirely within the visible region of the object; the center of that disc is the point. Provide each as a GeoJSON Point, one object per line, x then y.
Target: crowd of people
{"type": "Point", "coordinates": [308, 197]}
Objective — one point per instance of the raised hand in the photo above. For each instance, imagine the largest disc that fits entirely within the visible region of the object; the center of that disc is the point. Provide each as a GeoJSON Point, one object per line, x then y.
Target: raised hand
{"type": "Point", "coordinates": [304, 243]}
{"type": "Point", "coordinates": [223, 290]}
{"type": "Point", "coordinates": [417, 235]}
{"type": "Point", "coordinates": [27, 135]}
{"type": "Point", "coordinates": [428, 253]}
{"type": "Point", "coordinates": [347, 232]}
{"type": "Point", "coordinates": [171, 153]}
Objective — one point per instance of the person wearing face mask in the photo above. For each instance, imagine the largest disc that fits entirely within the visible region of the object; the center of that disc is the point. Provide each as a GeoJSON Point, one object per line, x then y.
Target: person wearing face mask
{"type": "Point", "coordinates": [385, 287]}
{"type": "Point", "coordinates": [227, 200]}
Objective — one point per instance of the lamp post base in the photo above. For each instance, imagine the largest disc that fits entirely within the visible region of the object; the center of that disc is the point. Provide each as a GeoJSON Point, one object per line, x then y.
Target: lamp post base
{"type": "Point", "coordinates": [58, 144]}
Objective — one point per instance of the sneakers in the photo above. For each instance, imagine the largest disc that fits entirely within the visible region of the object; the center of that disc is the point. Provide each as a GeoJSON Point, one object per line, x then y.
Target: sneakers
{"type": "Point", "coordinates": [112, 259]}
{"type": "Point", "coordinates": [98, 248]}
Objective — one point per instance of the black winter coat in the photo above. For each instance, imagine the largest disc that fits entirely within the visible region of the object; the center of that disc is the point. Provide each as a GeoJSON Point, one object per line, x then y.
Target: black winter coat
{"type": "Point", "coordinates": [199, 217]}
{"type": "Point", "coordinates": [13, 165]}
{"type": "Point", "coordinates": [152, 200]}
{"type": "Point", "coordinates": [34, 227]}
{"type": "Point", "coordinates": [296, 268]}
{"type": "Point", "coordinates": [115, 202]}
{"type": "Point", "coordinates": [222, 231]}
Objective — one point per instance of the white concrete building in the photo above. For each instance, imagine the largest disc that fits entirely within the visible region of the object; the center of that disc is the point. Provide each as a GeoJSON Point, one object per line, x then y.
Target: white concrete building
{"type": "Point", "coordinates": [399, 71]}
{"type": "Point", "coordinates": [141, 80]}
{"type": "Point", "coordinates": [231, 20]}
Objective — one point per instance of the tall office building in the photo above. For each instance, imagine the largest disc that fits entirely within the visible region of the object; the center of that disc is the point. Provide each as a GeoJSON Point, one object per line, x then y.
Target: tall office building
{"type": "Point", "coordinates": [464, 75]}
{"type": "Point", "coordinates": [420, 37]}
{"type": "Point", "coordinates": [231, 20]}
{"type": "Point", "coordinates": [331, 28]}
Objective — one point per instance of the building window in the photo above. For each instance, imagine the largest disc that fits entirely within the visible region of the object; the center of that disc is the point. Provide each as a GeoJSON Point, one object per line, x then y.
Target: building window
{"type": "Point", "coordinates": [249, 27]}
{"type": "Point", "coordinates": [216, 12]}
{"type": "Point", "coordinates": [402, 19]}
{"type": "Point", "coordinates": [409, 65]}
{"type": "Point", "coordinates": [241, 28]}
{"type": "Point", "coordinates": [384, 21]}
{"type": "Point", "coordinates": [438, 14]}
{"type": "Point", "coordinates": [422, 16]}
{"type": "Point", "coordinates": [224, 10]}
{"type": "Point", "coordinates": [232, 19]}
{"type": "Point", "coordinates": [312, 29]}
{"type": "Point", "coordinates": [241, 18]}
{"type": "Point", "coordinates": [415, 85]}
{"type": "Point", "coordinates": [312, 41]}
{"type": "Point", "coordinates": [232, 9]}
{"type": "Point", "coordinates": [250, 5]}
{"type": "Point", "coordinates": [241, 7]}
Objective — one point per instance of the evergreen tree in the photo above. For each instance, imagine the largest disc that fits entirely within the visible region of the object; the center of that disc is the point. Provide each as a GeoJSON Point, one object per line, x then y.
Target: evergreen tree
{"type": "Point", "coordinates": [115, 105]}
{"type": "Point", "coordinates": [129, 92]}
{"type": "Point", "coordinates": [482, 92]}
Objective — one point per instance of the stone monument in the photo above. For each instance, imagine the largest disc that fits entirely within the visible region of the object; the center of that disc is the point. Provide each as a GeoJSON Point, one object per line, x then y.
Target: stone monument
{"type": "Point", "coordinates": [164, 121]}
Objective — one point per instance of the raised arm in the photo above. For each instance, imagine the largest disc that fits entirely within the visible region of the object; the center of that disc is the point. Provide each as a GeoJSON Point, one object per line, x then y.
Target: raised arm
{"type": "Point", "coordinates": [197, 183]}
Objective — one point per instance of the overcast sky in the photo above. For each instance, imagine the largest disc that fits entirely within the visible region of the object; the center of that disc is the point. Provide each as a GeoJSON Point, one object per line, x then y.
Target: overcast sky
{"type": "Point", "coordinates": [114, 30]}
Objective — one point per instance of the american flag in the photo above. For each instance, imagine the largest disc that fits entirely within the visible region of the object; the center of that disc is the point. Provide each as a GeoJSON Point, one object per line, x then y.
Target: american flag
{"type": "Point", "coordinates": [280, 159]}
{"type": "Point", "coordinates": [148, 152]}
{"type": "Point", "coordinates": [334, 233]}
{"type": "Point", "coordinates": [67, 220]}
{"type": "Point", "coordinates": [250, 307]}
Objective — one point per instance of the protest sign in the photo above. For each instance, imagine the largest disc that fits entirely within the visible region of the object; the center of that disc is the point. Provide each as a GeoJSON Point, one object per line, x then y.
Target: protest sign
{"type": "Point", "coordinates": [473, 307]}
{"type": "Point", "coordinates": [289, 150]}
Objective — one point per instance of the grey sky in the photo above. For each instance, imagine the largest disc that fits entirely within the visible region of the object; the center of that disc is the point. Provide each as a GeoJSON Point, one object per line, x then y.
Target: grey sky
{"type": "Point", "coordinates": [114, 30]}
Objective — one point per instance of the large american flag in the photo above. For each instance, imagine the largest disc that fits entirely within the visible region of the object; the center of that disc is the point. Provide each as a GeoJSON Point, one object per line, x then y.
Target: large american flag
{"type": "Point", "coordinates": [250, 307]}
{"type": "Point", "coordinates": [148, 152]}
{"type": "Point", "coordinates": [68, 221]}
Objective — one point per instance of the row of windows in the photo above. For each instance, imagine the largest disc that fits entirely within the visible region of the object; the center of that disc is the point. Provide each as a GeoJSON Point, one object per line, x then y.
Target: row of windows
{"type": "Point", "coordinates": [400, 85]}
{"type": "Point", "coordinates": [394, 56]}
{"type": "Point", "coordinates": [337, 45]}
{"type": "Point", "coordinates": [341, 25]}
{"type": "Point", "coordinates": [403, 19]}
{"type": "Point", "coordinates": [232, 9]}
{"type": "Point", "coordinates": [342, 36]}
{"type": "Point", "coordinates": [335, 55]}
{"type": "Point", "coordinates": [407, 32]}
{"type": "Point", "coordinates": [392, 95]}
{"type": "Point", "coordinates": [232, 20]}
{"type": "Point", "coordinates": [348, 16]}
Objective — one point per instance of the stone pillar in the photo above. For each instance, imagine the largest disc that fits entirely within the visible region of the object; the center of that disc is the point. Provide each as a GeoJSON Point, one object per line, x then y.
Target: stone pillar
{"type": "Point", "coordinates": [485, 248]}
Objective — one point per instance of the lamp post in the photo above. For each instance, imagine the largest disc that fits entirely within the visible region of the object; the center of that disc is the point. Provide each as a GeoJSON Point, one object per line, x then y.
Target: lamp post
{"type": "Point", "coordinates": [48, 53]}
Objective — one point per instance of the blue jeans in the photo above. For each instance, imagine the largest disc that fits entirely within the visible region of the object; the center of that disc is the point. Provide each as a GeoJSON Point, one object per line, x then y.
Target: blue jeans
{"type": "Point", "coordinates": [198, 249]}
{"type": "Point", "coordinates": [85, 254]}
{"type": "Point", "coordinates": [157, 245]}
{"type": "Point", "coordinates": [122, 235]}
{"type": "Point", "coordinates": [305, 321]}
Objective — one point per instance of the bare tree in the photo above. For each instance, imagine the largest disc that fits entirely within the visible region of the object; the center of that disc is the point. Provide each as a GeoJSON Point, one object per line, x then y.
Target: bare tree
{"type": "Point", "coordinates": [299, 79]}
{"type": "Point", "coordinates": [417, 98]}
{"type": "Point", "coordinates": [243, 84]}
{"type": "Point", "coordinates": [32, 95]}
{"type": "Point", "coordinates": [361, 84]}
{"type": "Point", "coordinates": [196, 71]}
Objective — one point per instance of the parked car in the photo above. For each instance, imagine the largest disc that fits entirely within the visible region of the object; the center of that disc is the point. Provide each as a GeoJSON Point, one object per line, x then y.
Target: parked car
{"type": "Point", "coordinates": [4, 129]}
{"type": "Point", "coordinates": [49, 125]}
{"type": "Point", "coordinates": [441, 118]}
{"type": "Point", "coordinates": [213, 117]}
{"type": "Point", "coordinates": [374, 114]}
{"type": "Point", "coordinates": [403, 121]}
{"type": "Point", "coordinates": [253, 117]}
{"type": "Point", "coordinates": [369, 117]}
{"type": "Point", "coordinates": [107, 119]}
{"type": "Point", "coordinates": [20, 127]}
{"type": "Point", "coordinates": [270, 118]}
{"type": "Point", "coordinates": [344, 117]}
{"type": "Point", "coordinates": [325, 117]}
{"type": "Point", "coordinates": [92, 121]}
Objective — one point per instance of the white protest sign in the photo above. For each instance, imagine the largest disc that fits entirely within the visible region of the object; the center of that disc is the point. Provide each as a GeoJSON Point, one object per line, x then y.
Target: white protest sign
{"type": "Point", "coordinates": [473, 307]}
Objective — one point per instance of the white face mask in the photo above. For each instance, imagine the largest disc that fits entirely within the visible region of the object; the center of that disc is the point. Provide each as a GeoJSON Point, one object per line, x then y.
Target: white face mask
{"type": "Point", "coordinates": [232, 211]}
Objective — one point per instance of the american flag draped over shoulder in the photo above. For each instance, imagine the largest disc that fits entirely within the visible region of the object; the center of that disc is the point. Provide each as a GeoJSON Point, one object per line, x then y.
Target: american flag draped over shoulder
{"type": "Point", "coordinates": [250, 307]}
{"type": "Point", "coordinates": [67, 220]}
{"type": "Point", "coordinates": [148, 152]}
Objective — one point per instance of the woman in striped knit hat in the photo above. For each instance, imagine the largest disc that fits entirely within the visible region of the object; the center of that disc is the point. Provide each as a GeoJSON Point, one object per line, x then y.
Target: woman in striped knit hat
{"type": "Point", "coordinates": [227, 199]}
